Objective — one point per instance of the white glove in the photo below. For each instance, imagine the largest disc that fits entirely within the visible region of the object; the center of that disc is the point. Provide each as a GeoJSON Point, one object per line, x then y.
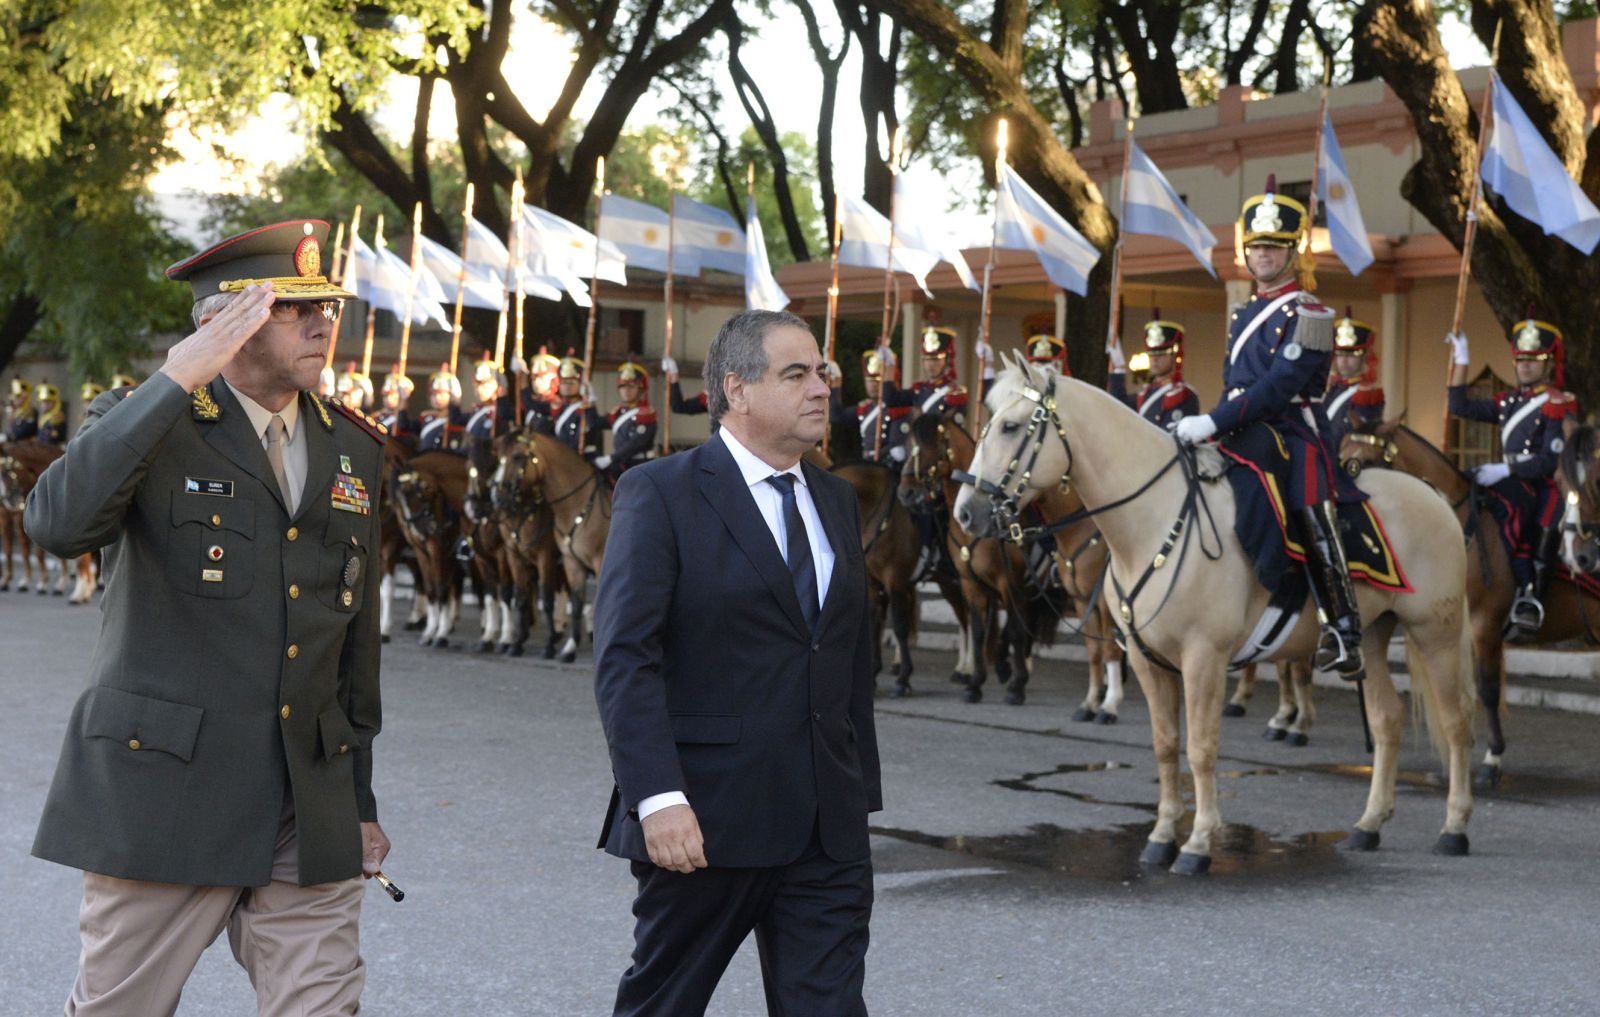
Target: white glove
{"type": "Point", "coordinates": [669, 366]}
{"type": "Point", "coordinates": [898, 453]}
{"type": "Point", "coordinates": [985, 354]}
{"type": "Point", "coordinates": [586, 393]}
{"type": "Point", "coordinates": [602, 462]}
{"type": "Point", "coordinates": [833, 374]}
{"type": "Point", "coordinates": [1118, 361]}
{"type": "Point", "coordinates": [1194, 430]}
{"type": "Point", "coordinates": [1458, 348]}
{"type": "Point", "coordinates": [518, 366]}
{"type": "Point", "coordinates": [1490, 474]}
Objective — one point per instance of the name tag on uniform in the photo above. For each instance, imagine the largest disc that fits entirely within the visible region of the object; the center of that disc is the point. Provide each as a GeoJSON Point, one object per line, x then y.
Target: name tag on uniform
{"type": "Point", "coordinates": [200, 485]}
{"type": "Point", "coordinates": [350, 495]}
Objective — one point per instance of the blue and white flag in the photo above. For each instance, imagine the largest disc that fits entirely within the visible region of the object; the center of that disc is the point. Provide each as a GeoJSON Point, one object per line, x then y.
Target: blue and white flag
{"type": "Point", "coordinates": [761, 290]}
{"type": "Point", "coordinates": [1521, 168]}
{"type": "Point", "coordinates": [640, 233]}
{"type": "Point", "coordinates": [866, 243]}
{"type": "Point", "coordinates": [382, 280]}
{"type": "Point", "coordinates": [917, 230]}
{"type": "Point", "coordinates": [1153, 207]}
{"type": "Point", "coordinates": [1337, 194]}
{"type": "Point", "coordinates": [1028, 223]}
{"type": "Point", "coordinates": [488, 268]}
{"type": "Point", "coordinates": [704, 236]}
{"type": "Point", "coordinates": [556, 248]}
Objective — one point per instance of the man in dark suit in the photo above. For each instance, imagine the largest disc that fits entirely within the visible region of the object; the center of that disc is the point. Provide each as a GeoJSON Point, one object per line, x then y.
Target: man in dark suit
{"type": "Point", "coordinates": [733, 670]}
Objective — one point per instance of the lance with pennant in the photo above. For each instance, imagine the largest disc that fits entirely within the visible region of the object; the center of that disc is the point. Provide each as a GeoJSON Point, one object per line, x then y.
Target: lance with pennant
{"type": "Point", "coordinates": [594, 300]}
{"type": "Point", "coordinates": [666, 298]}
{"type": "Point", "coordinates": [461, 279]}
{"type": "Point", "coordinates": [517, 257]}
{"type": "Point", "coordinates": [411, 284]}
{"type": "Point", "coordinates": [372, 310]}
{"type": "Point", "coordinates": [1114, 329]}
{"type": "Point", "coordinates": [888, 284]}
{"type": "Point", "coordinates": [988, 273]}
{"type": "Point", "coordinates": [833, 289]}
{"type": "Point", "coordinates": [345, 269]}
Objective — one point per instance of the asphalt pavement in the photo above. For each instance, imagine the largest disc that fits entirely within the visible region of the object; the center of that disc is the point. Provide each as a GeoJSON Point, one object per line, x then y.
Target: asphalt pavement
{"type": "Point", "coordinates": [1006, 858]}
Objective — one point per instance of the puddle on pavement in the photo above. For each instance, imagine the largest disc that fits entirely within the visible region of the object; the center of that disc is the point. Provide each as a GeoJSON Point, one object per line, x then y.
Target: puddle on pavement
{"type": "Point", "coordinates": [1112, 855]}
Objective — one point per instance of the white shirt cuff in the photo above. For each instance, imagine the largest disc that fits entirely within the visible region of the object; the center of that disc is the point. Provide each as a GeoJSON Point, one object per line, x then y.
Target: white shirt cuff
{"type": "Point", "coordinates": [655, 803]}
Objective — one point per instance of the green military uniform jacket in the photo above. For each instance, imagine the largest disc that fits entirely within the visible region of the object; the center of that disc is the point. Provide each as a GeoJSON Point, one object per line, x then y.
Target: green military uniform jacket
{"type": "Point", "coordinates": [238, 655]}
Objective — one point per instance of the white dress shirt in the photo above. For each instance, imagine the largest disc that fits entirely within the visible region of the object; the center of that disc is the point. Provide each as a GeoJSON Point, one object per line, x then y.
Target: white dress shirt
{"type": "Point", "coordinates": [295, 458]}
{"type": "Point", "coordinates": [769, 501]}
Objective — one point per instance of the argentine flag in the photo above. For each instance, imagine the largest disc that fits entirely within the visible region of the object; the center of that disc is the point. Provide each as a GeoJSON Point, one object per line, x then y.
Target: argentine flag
{"type": "Point", "coordinates": [704, 236]}
{"type": "Point", "coordinates": [640, 233]}
{"type": "Point", "coordinates": [554, 247]}
{"type": "Point", "coordinates": [382, 279]}
{"type": "Point", "coordinates": [1337, 194]}
{"type": "Point", "coordinates": [1521, 168]}
{"type": "Point", "coordinates": [915, 229]}
{"type": "Point", "coordinates": [761, 290]}
{"type": "Point", "coordinates": [1028, 223]}
{"type": "Point", "coordinates": [866, 243]}
{"type": "Point", "coordinates": [1153, 207]}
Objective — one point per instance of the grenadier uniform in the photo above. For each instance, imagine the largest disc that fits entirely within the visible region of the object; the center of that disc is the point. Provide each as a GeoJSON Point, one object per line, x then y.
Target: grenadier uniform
{"type": "Point", "coordinates": [571, 413]}
{"type": "Point", "coordinates": [942, 395]}
{"type": "Point", "coordinates": [22, 421]}
{"type": "Point", "coordinates": [1531, 420]}
{"type": "Point", "coordinates": [632, 424]}
{"type": "Point", "coordinates": [353, 388]}
{"type": "Point", "coordinates": [394, 415]}
{"type": "Point", "coordinates": [1163, 402]}
{"type": "Point", "coordinates": [442, 428]}
{"type": "Point", "coordinates": [52, 416]}
{"type": "Point", "coordinates": [885, 428]}
{"type": "Point", "coordinates": [1279, 345]}
{"type": "Point", "coordinates": [1353, 402]}
{"type": "Point", "coordinates": [544, 381]}
{"type": "Point", "coordinates": [492, 415]}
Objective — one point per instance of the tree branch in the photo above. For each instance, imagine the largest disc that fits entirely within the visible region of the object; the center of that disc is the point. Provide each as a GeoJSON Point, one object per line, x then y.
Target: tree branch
{"type": "Point", "coordinates": [755, 107]}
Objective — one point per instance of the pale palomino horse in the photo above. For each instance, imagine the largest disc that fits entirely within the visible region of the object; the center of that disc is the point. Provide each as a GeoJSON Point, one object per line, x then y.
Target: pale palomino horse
{"type": "Point", "coordinates": [1187, 597]}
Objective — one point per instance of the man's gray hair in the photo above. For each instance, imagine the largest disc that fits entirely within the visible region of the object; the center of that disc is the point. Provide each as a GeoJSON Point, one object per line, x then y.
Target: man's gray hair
{"type": "Point", "coordinates": [210, 305]}
{"type": "Point", "coordinates": [740, 348]}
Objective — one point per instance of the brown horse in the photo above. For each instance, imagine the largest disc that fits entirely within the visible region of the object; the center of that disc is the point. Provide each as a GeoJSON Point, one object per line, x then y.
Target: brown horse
{"type": "Point", "coordinates": [428, 493]}
{"type": "Point", "coordinates": [1569, 613]}
{"type": "Point", "coordinates": [993, 574]}
{"type": "Point", "coordinates": [1579, 477]}
{"type": "Point", "coordinates": [540, 471]}
{"type": "Point", "coordinates": [528, 556]}
{"type": "Point", "coordinates": [393, 548]}
{"type": "Point", "coordinates": [21, 464]}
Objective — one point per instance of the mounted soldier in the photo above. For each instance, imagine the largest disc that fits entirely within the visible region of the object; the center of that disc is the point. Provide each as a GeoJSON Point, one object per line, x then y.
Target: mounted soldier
{"type": "Point", "coordinates": [1279, 345]}
{"type": "Point", "coordinates": [1165, 399]}
{"type": "Point", "coordinates": [493, 413]}
{"type": "Point", "coordinates": [573, 410]}
{"type": "Point", "coordinates": [696, 406]}
{"type": "Point", "coordinates": [397, 389]}
{"type": "Point", "coordinates": [884, 427]}
{"type": "Point", "coordinates": [1532, 420]}
{"type": "Point", "coordinates": [444, 423]}
{"type": "Point", "coordinates": [353, 388]}
{"type": "Point", "coordinates": [1047, 351]}
{"type": "Point", "coordinates": [632, 424]}
{"type": "Point", "coordinates": [52, 416]}
{"type": "Point", "coordinates": [938, 392]}
{"type": "Point", "coordinates": [539, 393]}
{"type": "Point", "coordinates": [1354, 401]}
{"type": "Point", "coordinates": [22, 421]}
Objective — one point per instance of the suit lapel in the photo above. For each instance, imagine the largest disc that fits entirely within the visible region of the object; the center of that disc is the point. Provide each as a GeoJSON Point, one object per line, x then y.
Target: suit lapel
{"type": "Point", "coordinates": [835, 524]}
{"type": "Point", "coordinates": [722, 484]}
{"type": "Point", "coordinates": [232, 435]}
{"type": "Point", "coordinates": [321, 456]}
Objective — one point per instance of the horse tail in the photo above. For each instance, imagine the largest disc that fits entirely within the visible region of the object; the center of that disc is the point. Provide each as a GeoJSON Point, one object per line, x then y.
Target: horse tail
{"type": "Point", "coordinates": [1428, 690]}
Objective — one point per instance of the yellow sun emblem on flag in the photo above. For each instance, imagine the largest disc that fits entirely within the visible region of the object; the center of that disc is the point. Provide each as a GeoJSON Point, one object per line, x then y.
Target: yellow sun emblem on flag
{"type": "Point", "coordinates": [724, 238]}
{"type": "Point", "coordinates": [1038, 233]}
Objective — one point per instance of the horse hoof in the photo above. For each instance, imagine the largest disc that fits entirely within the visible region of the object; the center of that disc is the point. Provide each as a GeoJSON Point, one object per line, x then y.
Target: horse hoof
{"type": "Point", "coordinates": [1274, 734]}
{"type": "Point", "coordinates": [972, 695]}
{"type": "Point", "coordinates": [1083, 715]}
{"type": "Point", "coordinates": [384, 638]}
{"type": "Point", "coordinates": [900, 691]}
{"type": "Point", "coordinates": [1362, 840]}
{"type": "Point", "coordinates": [482, 646]}
{"type": "Point", "coordinates": [1191, 864]}
{"type": "Point", "coordinates": [415, 626]}
{"type": "Point", "coordinates": [514, 650]}
{"type": "Point", "coordinates": [1232, 710]}
{"type": "Point", "coordinates": [1299, 739]}
{"type": "Point", "coordinates": [570, 657]}
{"type": "Point", "coordinates": [1106, 719]}
{"type": "Point", "coordinates": [1016, 698]}
{"type": "Point", "coordinates": [424, 640]}
{"type": "Point", "coordinates": [1158, 854]}
{"type": "Point", "coordinates": [957, 678]}
{"type": "Point", "coordinates": [57, 593]}
{"type": "Point", "coordinates": [1486, 776]}
{"type": "Point", "coordinates": [1453, 845]}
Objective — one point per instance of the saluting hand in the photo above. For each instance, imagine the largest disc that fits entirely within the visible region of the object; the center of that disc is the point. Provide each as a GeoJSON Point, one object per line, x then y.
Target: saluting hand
{"type": "Point", "coordinates": [672, 836]}
{"type": "Point", "coordinates": [202, 356]}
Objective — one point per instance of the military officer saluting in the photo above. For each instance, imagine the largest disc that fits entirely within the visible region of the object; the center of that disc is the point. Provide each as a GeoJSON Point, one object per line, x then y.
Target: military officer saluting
{"type": "Point", "coordinates": [443, 423]}
{"type": "Point", "coordinates": [884, 427]}
{"type": "Point", "coordinates": [1532, 419]}
{"type": "Point", "coordinates": [573, 410]}
{"type": "Point", "coordinates": [1276, 370]}
{"type": "Point", "coordinates": [1354, 400]}
{"type": "Point", "coordinates": [1165, 399]}
{"type": "Point", "coordinates": [938, 392]}
{"type": "Point", "coordinates": [223, 780]}
{"type": "Point", "coordinates": [393, 415]}
{"type": "Point", "coordinates": [632, 424]}
{"type": "Point", "coordinates": [22, 422]}
{"type": "Point", "coordinates": [51, 415]}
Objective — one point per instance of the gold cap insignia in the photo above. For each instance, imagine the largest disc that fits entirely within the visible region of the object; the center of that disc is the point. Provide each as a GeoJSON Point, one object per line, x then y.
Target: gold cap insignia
{"type": "Point", "coordinates": [1266, 218]}
{"type": "Point", "coordinates": [1528, 338]}
{"type": "Point", "coordinates": [1154, 334]}
{"type": "Point", "coordinates": [1347, 333]}
{"type": "Point", "coordinates": [308, 257]}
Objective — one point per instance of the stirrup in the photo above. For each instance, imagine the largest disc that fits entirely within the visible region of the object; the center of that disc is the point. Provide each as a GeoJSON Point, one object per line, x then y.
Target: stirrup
{"type": "Point", "coordinates": [1520, 615]}
{"type": "Point", "coordinates": [1341, 657]}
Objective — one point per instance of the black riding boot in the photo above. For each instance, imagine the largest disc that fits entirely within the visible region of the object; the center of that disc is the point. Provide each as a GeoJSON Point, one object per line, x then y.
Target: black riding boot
{"type": "Point", "coordinates": [1527, 610]}
{"type": "Point", "coordinates": [1339, 649]}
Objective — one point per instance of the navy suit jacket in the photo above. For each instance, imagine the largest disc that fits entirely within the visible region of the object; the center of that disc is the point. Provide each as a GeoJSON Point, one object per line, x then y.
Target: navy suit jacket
{"type": "Point", "coordinates": [708, 680]}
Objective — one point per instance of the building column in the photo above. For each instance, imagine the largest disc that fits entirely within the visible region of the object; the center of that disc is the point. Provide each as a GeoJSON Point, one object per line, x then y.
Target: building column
{"type": "Point", "coordinates": [1393, 348]}
{"type": "Point", "coordinates": [910, 363]}
{"type": "Point", "coordinates": [1061, 314]}
{"type": "Point", "coordinates": [1238, 292]}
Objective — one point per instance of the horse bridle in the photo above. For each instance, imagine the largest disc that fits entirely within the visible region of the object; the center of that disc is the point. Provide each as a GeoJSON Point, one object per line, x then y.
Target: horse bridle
{"type": "Point", "coordinates": [1386, 445]}
{"type": "Point", "coordinates": [1007, 505]}
{"type": "Point", "coordinates": [423, 521]}
{"type": "Point", "coordinates": [929, 486]}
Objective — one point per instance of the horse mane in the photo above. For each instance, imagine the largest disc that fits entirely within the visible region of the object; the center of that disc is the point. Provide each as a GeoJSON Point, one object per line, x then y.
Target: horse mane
{"type": "Point", "coordinates": [1431, 447]}
{"type": "Point", "coordinates": [1584, 445]}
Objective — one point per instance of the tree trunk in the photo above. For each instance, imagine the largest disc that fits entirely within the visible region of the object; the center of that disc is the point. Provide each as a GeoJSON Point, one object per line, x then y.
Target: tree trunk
{"type": "Point", "coordinates": [755, 106]}
{"type": "Point", "coordinates": [829, 65]}
{"type": "Point", "coordinates": [23, 313]}
{"type": "Point", "coordinates": [879, 75]}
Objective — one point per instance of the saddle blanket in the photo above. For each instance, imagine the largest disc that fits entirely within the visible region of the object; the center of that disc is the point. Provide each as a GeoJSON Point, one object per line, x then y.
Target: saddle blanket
{"type": "Point", "coordinates": [1258, 470]}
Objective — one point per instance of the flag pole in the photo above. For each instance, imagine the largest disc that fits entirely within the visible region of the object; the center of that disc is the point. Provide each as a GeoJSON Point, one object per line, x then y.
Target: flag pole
{"type": "Point", "coordinates": [513, 229]}
{"type": "Point", "coordinates": [372, 310]}
{"type": "Point", "coordinates": [411, 285]}
{"type": "Point", "coordinates": [1114, 328]}
{"type": "Point", "coordinates": [594, 300]}
{"type": "Point", "coordinates": [988, 271]}
{"type": "Point", "coordinates": [518, 256]}
{"type": "Point", "coordinates": [666, 416]}
{"type": "Point", "coordinates": [888, 282]}
{"type": "Point", "coordinates": [343, 269]}
{"type": "Point", "coordinates": [831, 328]}
{"type": "Point", "coordinates": [461, 279]}
{"type": "Point", "coordinates": [1313, 200]}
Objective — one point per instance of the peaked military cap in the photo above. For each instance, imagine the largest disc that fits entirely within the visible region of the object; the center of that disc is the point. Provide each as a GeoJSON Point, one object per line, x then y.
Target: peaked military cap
{"type": "Point", "coordinates": [288, 255]}
{"type": "Point", "coordinates": [394, 381]}
{"type": "Point", "coordinates": [938, 341]}
{"type": "Point", "coordinates": [1532, 339]}
{"type": "Point", "coordinates": [630, 373]}
{"type": "Point", "coordinates": [91, 391]}
{"type": "Point", "coordinates": [1044, 349]}
{"type": "Point", "coordinates": [571, 366]}
{"type": "Point", "coordinates": [443, 380]}
{"type": "Point", "coordinates": [1162, 336]}
{"type": "Point", "coordinates": [1352, 337]}
{"type": "Point", "coordinates": [872, 365]}
{"type": "Point", "coordinates": [1271, 218]}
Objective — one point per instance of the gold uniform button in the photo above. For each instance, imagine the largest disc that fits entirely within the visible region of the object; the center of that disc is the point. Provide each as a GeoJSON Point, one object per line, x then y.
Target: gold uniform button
{"type": "Point", "coordinates": [216, 520]}
{"type": "Point", "coordinates": [294, 591]}
{"type": "Point", "coordinates": [293, 534]}
{"type": "Point", "coordinates": [133, 743]}
{"type": "Point", "coordinates": [346, 598]}
{"type": "Point", "coordinates": [343, 749]}
{"type": "Point", "coordinates": [284, 713]}
{"type": "Point", "coordinates": [294, 650]}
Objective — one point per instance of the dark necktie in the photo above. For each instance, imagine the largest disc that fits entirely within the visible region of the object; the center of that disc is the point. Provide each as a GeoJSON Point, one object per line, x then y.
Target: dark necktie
{"type": "Point", "coordinates": [797, 549]}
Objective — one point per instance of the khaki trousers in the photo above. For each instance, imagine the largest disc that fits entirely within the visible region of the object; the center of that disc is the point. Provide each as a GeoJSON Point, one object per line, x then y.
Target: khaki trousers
{"type": "Point", "coordinates": [299, 944]}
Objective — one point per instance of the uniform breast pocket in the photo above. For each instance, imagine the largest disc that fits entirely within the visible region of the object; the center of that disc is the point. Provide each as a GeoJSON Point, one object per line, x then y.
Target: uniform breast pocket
{"type": "Point", "coordinates": [211, 546]}
{"type": "Point", "coordinates": [345, 559]}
